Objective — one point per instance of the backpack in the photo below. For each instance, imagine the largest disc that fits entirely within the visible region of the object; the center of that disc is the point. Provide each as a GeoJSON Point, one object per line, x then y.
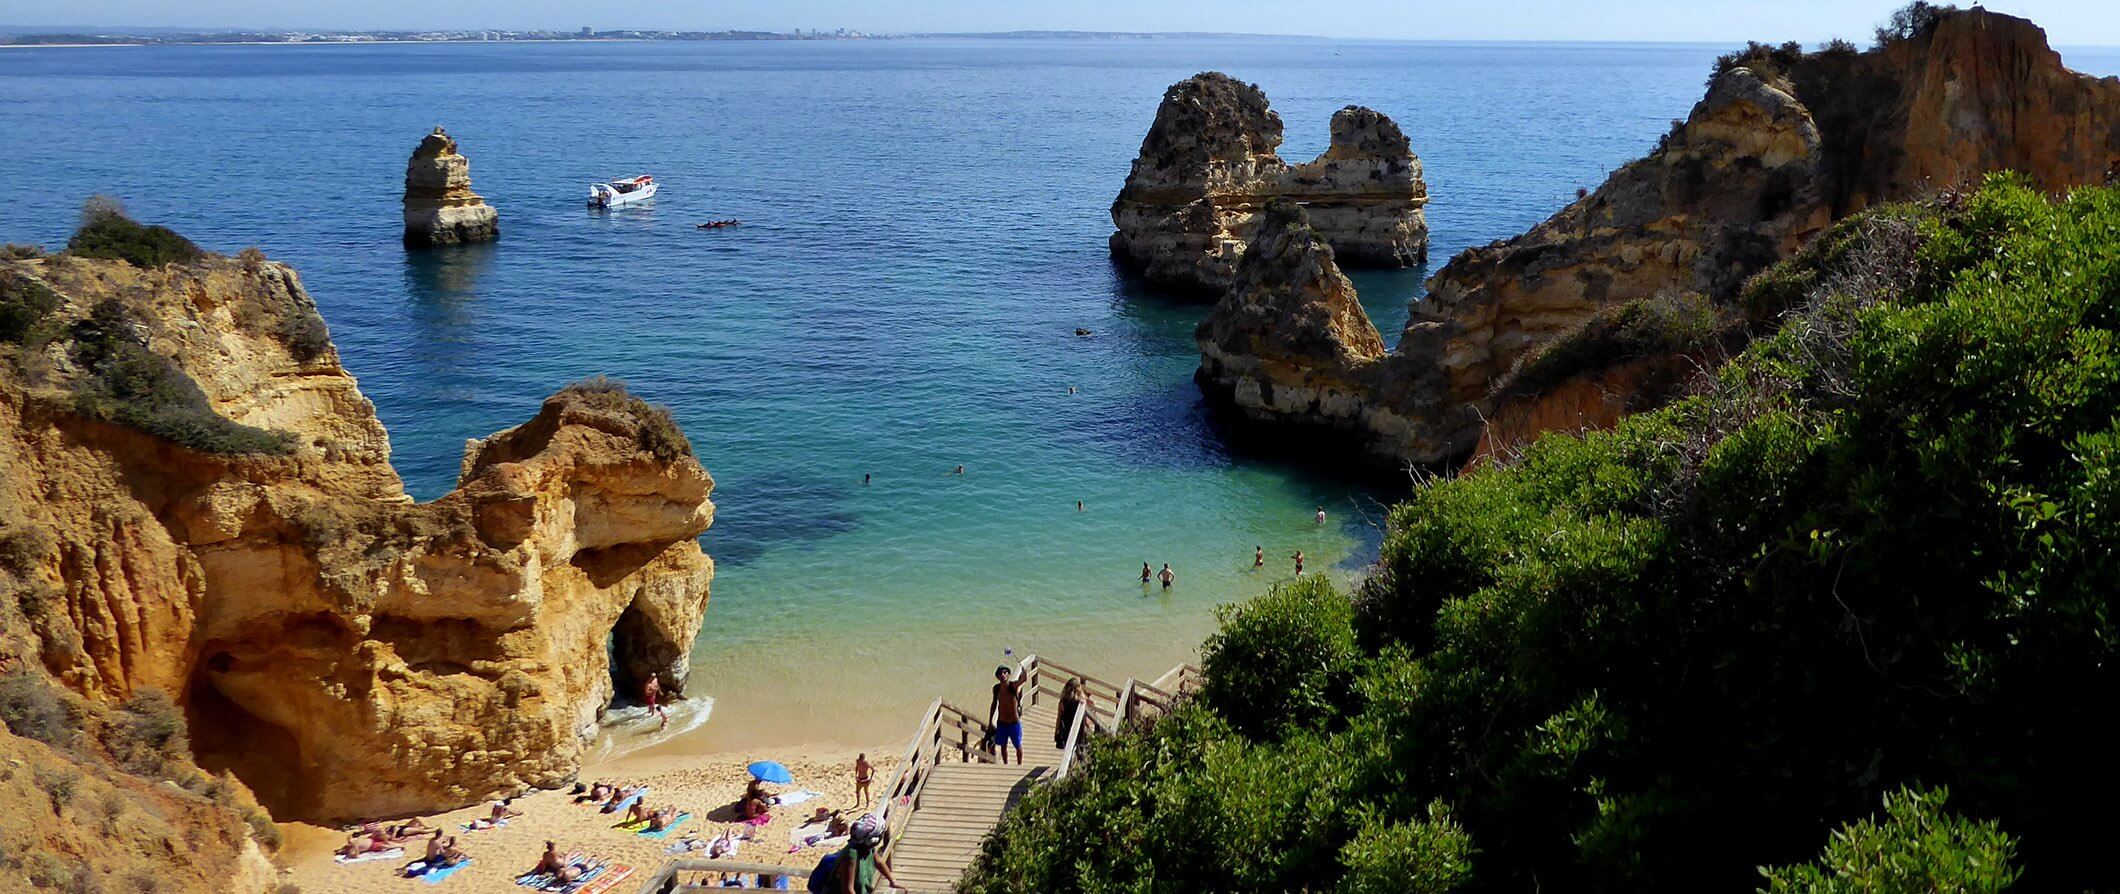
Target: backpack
{"type": "Point", "coordinates": [821, 877]}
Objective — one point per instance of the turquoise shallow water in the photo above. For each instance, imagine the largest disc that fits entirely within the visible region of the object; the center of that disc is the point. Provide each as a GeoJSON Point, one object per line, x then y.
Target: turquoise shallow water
{"type": "Point", "coordinates": [925, 230]}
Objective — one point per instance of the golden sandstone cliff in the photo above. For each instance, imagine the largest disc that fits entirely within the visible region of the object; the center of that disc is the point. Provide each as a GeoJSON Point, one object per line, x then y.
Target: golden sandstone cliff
{"type": "Point", "coordinates": [1209, 165]}
{"type": "Point", "coordinates": [1783, 144]}
{"type": "Point", "coordinates": [198, 501]}
{"type": "Point", "coordinates": [440, 208]}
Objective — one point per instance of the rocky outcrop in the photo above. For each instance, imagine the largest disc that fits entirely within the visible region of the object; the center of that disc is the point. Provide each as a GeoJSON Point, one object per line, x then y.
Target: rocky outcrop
{"type": "Point", "coordinates": [343, 650]}
{"type": "Point", "coordinates": [440, 208]}
{"type": "Point", "coordinates": [1289, 343]}
{"type": "Point", "coordinates": [1783, 144]}
{"type": "Point", "coordinates": [1209, 166]}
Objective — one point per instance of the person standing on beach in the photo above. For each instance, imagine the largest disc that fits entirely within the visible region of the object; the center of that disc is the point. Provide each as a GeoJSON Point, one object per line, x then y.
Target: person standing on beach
{"type": "Point", "coordinates": [1005, 712]}
{"type": "Point", "coordinates": [1167, 576]}
{"type": "Point", "coordinates": [862, 773]}
{"type": "Point", "coordinates": [1146, 574]}
{"type": "Point", "coordinates": [1299, 562]}
{"type": "Point", "coordinates": [651, 692]}
{"type": "Point", "coordinates": [1258, 557]}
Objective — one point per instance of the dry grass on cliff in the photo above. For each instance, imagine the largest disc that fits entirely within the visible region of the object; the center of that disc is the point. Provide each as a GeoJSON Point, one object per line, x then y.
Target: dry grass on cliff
{"type": "Point", "coordinates": [657, 431]}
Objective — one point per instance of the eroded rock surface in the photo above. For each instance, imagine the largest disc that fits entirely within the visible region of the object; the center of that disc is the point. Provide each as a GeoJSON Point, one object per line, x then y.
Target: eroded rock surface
{"type": "Point", "coordinates": [1783, 145]}
{"type": "Point", "coordinates": [345, 651]}
{"type": "Point", "coordinates": [1209, 165]}
{"type": "Point", "coordinates": [440, 208]}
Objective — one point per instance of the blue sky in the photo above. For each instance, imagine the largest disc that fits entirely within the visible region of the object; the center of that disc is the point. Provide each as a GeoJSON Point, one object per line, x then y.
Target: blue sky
{"type": "Point", "coordinates": [2068, 22]}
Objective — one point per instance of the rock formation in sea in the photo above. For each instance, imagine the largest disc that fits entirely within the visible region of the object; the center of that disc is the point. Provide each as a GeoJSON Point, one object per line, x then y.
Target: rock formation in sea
{"type": "Point", "coordinates": [1785, 143]}
{"type": "Point", "coordinates": [1209, 165]}
{"type": "Point", "coordinates": [1289, 343]}
{"type": "Point", "coordinates": [212, 513]}
{"type": "Point", "coordinates": [440, 208]}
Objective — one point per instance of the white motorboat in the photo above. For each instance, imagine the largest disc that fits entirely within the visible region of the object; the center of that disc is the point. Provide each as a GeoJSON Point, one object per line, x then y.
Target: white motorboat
{"type": "Point", "coordinates": [622, 192]}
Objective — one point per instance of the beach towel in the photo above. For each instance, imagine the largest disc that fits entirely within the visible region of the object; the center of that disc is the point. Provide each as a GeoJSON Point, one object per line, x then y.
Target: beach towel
{"type": "Point", "coordinates": [391, 854]}
{"type": "Point", "coordinates": [664, 832]}
{"type": "Point", "coordinates": [761, 820]}
{"type": "Point", "coordinates": [605, 882]}
{"type": "Point", "coordinates": [794, 797]}
{"type": "Point", "coordinates": [435, 876]}
{"type": "Point", "coordinates": [632, 825]}
{"type": "Point", "coordinates": [690, 844]}
{"type": "Point", "coordinates": [474, 826]}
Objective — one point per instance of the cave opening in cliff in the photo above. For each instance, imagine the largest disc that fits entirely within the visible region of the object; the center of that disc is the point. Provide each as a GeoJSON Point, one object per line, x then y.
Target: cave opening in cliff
{"type": "Point", "coordinates": [639, 649]}
{"type": "Point", "coordinates": [227, 738]}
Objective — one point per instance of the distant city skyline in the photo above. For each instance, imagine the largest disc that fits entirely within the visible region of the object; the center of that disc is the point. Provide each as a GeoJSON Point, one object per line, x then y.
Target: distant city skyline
{"type": "Point", "coordinates": [2068, 22]}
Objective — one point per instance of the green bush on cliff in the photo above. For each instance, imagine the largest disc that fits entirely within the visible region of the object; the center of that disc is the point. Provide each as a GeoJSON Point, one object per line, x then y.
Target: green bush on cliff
{"type": "Point", "coordinates": [1879, 553]}
{"type": "Point", "coordinates": [653, 426]}
{"type": "Point", "coordinates": [24, 306]}
{"type": "Point", "coordinates": [107, 233]}
{"type": "Point", "coordinates": [1917, 849]}
{"type": "Point", "coordinates": [1283, 661]}
{"type": "Point", "coordinates": [128, 384]}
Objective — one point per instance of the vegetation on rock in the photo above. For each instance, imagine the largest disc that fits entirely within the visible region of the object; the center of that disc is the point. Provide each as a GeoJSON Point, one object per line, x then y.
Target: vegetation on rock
{"type": "Point", "coordinates": [127, 383]}
{"type": "Point", "coordinates": [657, 430]}
{"type": "Point", "coordinates": [1875, 557]}
{"type": "Point", "coordinates": [106, 232]}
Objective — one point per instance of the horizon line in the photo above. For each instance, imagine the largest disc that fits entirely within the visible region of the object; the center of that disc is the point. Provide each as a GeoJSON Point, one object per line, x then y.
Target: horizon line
{"type": "Point", "coordinates": [176, 31]}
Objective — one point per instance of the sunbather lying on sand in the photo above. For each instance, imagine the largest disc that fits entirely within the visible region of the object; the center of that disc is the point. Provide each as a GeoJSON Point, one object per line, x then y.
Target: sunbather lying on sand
{"type": "Point", "coordinates": [357, 845]}
{"type": "Point", "coordinates": [620, 796]}
{"type": "Point", "coordinates": [598, 794]}
{"type": "Point", "coordinates": [555, 866]}
{"type": "Point", "coordinates": [661, 819]}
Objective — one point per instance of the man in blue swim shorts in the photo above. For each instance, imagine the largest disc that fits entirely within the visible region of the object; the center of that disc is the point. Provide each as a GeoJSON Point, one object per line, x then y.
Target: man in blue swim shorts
{"type": "Point", "coordinates": [1006, 712]}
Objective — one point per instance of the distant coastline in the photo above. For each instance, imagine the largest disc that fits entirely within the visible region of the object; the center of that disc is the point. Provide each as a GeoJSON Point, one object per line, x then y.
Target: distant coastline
{"type": "Point", "coordinates": [86, 36]}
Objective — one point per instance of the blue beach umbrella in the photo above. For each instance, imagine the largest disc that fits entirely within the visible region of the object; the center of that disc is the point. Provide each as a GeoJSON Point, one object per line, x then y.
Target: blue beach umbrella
{"type": "Point", "coordinates": [771, 771]}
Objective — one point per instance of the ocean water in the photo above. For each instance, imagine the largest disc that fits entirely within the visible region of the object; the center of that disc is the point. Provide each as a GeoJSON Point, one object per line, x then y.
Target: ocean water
{"type": "Point", "coordinates": [924, 231]}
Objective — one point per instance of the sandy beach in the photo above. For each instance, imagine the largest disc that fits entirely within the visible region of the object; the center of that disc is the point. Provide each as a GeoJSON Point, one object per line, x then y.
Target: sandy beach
{"type": "Point", "coordinates": [705, 785]}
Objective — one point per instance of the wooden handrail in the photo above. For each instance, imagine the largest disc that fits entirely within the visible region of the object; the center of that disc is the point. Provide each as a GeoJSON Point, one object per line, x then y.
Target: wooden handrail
{"type": "Point", "coordinates": [657, 879]}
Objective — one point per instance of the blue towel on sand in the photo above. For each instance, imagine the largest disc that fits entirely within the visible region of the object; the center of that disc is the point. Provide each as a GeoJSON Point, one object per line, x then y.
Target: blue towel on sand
{"type": "Point", "coordinates": [664, 832]}
{"type": "Point", "coordinates": [435, 876]}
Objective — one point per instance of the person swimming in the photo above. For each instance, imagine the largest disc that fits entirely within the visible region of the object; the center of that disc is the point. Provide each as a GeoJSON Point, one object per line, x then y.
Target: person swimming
{"type": "Point", "coordinates": [1167, 576]}
{"type": "Point", "coordinates": [1147, 573]}
{"type": "Point", "coordinates": [1258, 557]}
{"type": "Point", "coordinates": [1299, 562]}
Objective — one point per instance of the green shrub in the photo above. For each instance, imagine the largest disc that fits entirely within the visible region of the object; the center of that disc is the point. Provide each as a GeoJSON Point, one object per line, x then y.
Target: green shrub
{"type": "Point", "coordinates": [146, 732]}
{"type": "Point", "coordinates": [654, 427]}
{"type": "Point", "coordinates": [107, 233]}
{"type": "Point", "coordinates": [1918, 849]}
{"type": "Point", "coordinates": [60, 784]}
{"type": "Point", "coordinates": [24, 306]}
{"type": "Point", "coordinates": [1644, 327]}
{"type": "Point", "coordinates": [1283, 660]}
{"type": "Point", "coordinates": [47, 870]}
{"type": "Point", "coordinates": [128, 384]}
{"type": "Point", "coordinates": [34, 709]}
{"type": "Point", "coordinates": [14, 251]}
{"type": "Point", "coordinates": [262, 830]}
{"type": "Point", "coordinates": [23, 548]}
{"type": "Point", "coordinates": [1425, 856]}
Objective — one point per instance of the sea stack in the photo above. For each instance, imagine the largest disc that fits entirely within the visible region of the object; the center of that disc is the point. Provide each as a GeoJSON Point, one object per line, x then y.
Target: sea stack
{"type": "Point", "coordinates": [440, 208]}
{"type": "Point", "coordinates": [1289, 343]}
{"type": "Point", "coordinates": [1209, 166]}
{"type": "Point", "coordinates": [1783, 145]}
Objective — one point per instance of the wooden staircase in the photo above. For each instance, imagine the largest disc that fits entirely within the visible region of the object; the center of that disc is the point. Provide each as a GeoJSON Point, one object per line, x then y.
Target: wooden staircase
{"type": "Point", "coordinates": [961, 802]}
{"type": "Point", "coordinates": [949, 792]}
